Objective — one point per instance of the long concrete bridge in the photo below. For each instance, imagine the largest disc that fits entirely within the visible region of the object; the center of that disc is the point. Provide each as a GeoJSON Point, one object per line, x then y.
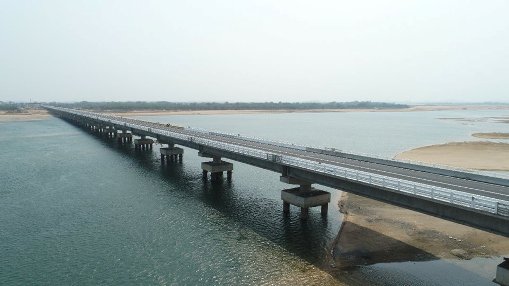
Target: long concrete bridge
{"type": "Point", "coordinates": [477, 200]}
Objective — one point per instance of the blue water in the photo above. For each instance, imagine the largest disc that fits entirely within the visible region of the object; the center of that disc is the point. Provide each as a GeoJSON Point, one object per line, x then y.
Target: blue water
{"type": "Point", "coordinates": [79, 209]}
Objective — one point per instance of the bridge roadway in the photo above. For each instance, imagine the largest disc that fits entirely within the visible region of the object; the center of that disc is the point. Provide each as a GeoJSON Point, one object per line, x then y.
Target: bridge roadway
{"type": "Point", "coordinates": [497, 191]}
{"type": "Point", "coordinates": [481, 192]}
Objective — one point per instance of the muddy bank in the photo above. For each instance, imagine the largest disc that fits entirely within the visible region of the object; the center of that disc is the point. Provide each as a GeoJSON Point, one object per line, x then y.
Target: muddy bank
{"type": "Point", "coordinates": [375, 232]}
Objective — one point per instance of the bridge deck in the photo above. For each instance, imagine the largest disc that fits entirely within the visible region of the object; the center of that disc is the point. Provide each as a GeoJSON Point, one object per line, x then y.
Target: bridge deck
{"type": "Point", "coordinates": [469, 192]}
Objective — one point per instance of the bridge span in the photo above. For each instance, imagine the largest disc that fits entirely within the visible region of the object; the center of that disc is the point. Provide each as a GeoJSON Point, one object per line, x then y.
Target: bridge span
{"type": "Point", "coordinates": [477, 200]}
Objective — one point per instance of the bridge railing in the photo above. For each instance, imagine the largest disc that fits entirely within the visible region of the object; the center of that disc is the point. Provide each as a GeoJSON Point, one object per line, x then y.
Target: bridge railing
{"type": "Point", "coordinates": [339, 152]}
{"type": "Point", "coordinates": [453, 197]}
{"type": "Point", "coordinates": [317, 149]}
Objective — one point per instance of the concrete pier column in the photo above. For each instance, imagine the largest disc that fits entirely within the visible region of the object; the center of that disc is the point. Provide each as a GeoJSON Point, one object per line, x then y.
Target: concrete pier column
{"type": "Point", "coordinates": [228, 176]}
{"type": "Point", "coordinates": [216, 167]}
{"type": "Point", "coordinates": [204, 174]}
{"type": "Point", "coordinates": [324, 209]}
{"type": "Point", "coordinates": [502, 274]}
{"type": "Point", "coordinates": [304, 197]}
{"type": "Point", "coordinates": [286, 207]}
{"type": "Point", "coordinates": [304, 213]}
{"type": "Point", "coordinates": [123, 137]}
{"type": "Point", "coordinates": [143, 143]}
{"type": "Point", "coordinates": [162, 159]}
{"type": "Point", "coordinates": [172, 152]}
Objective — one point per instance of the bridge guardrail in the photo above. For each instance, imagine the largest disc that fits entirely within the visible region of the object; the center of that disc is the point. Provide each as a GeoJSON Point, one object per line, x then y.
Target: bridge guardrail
{"type": "Point", "coordinates": [468, 200]}
{"type": "Point", "coordinates": [347, 153]}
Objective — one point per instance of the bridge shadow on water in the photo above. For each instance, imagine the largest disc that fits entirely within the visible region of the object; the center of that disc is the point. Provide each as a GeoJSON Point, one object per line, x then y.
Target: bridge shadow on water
{"type": "Point", "coordinates": [358, 245]}
{"type": "Point", "coordinates": [313, 240]}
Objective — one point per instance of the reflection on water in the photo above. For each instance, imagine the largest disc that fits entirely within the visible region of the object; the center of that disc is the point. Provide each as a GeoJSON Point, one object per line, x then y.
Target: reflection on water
{"type": "Point", "coordinates": [75, 208]}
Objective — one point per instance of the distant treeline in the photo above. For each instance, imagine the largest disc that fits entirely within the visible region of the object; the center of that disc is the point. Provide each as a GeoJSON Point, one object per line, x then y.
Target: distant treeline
{"type": "Point", "coordinates": [165, 105]}
{"type": "Point", "coordinates": [9, 106]}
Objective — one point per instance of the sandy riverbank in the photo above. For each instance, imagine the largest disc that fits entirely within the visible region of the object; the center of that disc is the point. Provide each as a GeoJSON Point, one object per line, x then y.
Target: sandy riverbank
{"type": "Point", "coordinates": [493, 135]}
{"type": "Point", "coordinates": [28, 115]}
{"type": "Point", "coordinates": [375, 232]}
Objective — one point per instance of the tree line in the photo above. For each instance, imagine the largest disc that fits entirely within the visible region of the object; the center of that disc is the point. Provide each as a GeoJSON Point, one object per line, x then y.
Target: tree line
{"type": "Point", "coordinates": [166, 105]}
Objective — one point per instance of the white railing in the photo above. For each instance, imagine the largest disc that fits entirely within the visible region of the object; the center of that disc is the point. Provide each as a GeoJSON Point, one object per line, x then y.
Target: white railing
{"type": "Point", "coordinates": [369, 155]}
{"type": "Point", "coordinates": [464, 199]}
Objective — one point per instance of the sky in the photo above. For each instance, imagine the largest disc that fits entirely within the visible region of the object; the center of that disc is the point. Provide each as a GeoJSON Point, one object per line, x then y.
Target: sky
{"type": "Point", "coordinates": [264, 50]}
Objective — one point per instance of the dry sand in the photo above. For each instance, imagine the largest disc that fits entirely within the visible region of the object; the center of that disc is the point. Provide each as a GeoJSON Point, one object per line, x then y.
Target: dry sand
{"type": "Point", "coordinates": [468, 155]}
{"type": "Point", "coordinates": [28, 115]}
{"type": "Point", "coordinates": [376, 232]}
{"type": "Point", "coordinates": [493, 135]}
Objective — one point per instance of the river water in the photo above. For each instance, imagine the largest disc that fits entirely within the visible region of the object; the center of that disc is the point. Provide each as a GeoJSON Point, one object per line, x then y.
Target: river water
{"type": "Point", "coordinates": [79, 209]}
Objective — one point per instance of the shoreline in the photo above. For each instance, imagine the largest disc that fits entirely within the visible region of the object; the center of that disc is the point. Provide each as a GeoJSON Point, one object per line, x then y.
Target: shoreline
{"type": "Point", "coordinates": [376, 232]}
{"type": "Point", "coordinates": [30, 115]}
{"type": "Point", "coordinates": [414, 108]}
{"type": "Point", "coordinates": [247, 111]}
{"type": "Point", "coordinates": [492, 135]}
{"type": "Point", "coordinates": [39, 114]}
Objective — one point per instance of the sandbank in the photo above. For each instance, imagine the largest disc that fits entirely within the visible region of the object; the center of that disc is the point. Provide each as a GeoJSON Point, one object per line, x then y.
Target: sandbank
{"type": "Point", "coordinates": [493, 135]}
{"type": "Point", "coordinates": [478, 155]}
{"type": "Point", "coordinates": [376, 232]}
{"type": "Point", "coordinates": [28, 115]}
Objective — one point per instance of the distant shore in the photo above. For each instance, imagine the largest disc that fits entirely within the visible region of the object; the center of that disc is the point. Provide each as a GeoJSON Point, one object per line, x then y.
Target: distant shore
{"type": "Point", "coordinates": [249, 111]}
{"type": "Point", "coordinates": [39, 114]}
{"type": "Point", "coordinates": [28, 115]}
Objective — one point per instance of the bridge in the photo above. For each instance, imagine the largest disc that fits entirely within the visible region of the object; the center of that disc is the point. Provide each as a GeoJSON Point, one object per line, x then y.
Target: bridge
{"type": "Point", "coordinates": [469, 198]}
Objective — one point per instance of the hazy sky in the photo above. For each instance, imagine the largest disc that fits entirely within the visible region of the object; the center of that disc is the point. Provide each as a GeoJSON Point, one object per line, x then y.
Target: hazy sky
{"type": "Point", "coordinates": [264, 50]}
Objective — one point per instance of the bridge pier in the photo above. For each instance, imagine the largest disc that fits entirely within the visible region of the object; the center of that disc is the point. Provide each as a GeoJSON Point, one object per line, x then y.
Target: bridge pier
{"type": "Point", "coordinates": [304, 197]}
{"type": "Point", "coordinates": [124, 137]}
{"type": "Point", "coordinates": [502, 276]}
{"type": "Point", "coordinates": [109, 131]}
{"type": "Point", "coordinates": [171, 153]}
{"type": "Point", "coordinates": [216, 167]}
{"type": "Point", "coordinates": [143, 143]}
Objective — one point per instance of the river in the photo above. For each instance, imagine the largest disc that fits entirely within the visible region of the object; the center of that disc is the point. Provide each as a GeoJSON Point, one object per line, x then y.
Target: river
{"type": "Point", "coordinates": [80, 209]}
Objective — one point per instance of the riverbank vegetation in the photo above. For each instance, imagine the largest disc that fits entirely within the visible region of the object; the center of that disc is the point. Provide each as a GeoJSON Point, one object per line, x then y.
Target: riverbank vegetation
{"type": "Point", "coordinates": [10, 106]}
